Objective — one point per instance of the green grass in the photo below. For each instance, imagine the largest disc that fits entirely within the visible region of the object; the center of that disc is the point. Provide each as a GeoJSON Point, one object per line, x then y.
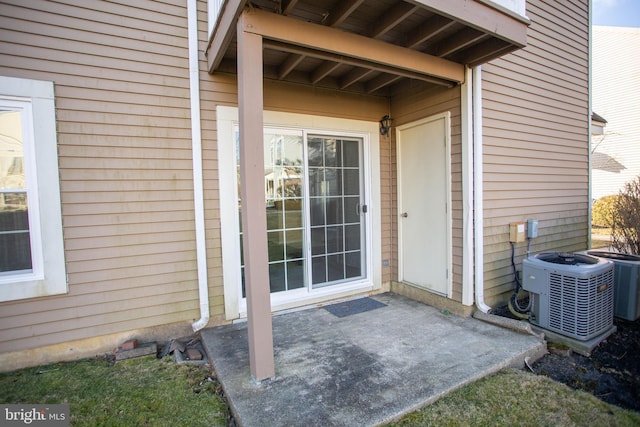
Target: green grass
{"type": "Point", "coordinates": [136, 392]}
{"type": "Point", "coordinates": [151, 392]}
{"type": "Point", "coordinates": [518, 398]}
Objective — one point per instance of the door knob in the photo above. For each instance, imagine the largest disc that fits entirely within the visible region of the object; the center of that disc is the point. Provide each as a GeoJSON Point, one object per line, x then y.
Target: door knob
{"type": "Point", "coordinates": [404, 215]}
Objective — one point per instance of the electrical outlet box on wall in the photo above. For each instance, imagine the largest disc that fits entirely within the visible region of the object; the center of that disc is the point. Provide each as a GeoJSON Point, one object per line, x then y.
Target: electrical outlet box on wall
{"type": "Point", "coordinates": [532, 228]}
{"type": "Point", "coordinates": [517, 232]}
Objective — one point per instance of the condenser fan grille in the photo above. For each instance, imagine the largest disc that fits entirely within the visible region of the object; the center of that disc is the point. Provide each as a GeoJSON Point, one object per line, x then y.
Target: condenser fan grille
{"type": "Point", "coordinates": [580, 307]}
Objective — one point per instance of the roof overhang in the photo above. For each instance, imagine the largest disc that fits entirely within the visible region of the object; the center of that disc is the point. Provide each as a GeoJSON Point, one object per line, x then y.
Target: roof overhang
{"type": "Point", "coordinates": [597, 124]}
{"type": "Point", "coordinates": [367, 45]}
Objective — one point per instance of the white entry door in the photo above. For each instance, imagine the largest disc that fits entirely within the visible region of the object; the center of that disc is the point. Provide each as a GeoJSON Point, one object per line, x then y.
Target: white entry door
{"type": "Point", "coordinates": [423, 204]}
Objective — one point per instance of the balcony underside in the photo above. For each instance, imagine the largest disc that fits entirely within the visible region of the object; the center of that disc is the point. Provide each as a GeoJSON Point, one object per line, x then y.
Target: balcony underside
{"type": "Point", "coordinates": [368, 46]}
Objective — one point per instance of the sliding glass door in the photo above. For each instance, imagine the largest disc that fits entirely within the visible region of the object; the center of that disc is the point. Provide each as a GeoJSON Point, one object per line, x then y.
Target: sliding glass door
{"type": "Point", "coordinates": [315, 212]}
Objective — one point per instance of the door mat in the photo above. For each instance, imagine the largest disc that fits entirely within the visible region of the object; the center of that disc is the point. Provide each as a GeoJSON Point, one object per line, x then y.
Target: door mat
{"type": "Point", "coordinates": [347, 308]}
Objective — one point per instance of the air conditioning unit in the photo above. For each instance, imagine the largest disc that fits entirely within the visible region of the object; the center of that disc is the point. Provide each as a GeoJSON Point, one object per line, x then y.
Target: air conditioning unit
{"type": "Point", "coordinates": [626, 284]}
{"type": "Point", "coordinates": [572, 294]}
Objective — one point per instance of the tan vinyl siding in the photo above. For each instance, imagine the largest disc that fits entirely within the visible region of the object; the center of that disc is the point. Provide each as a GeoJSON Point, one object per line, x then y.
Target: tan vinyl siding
{"type": "Point", "coordinates": [281, 96]}
{"type": "Point", "coordinates": [414, 105]}
{"type": "Point", "coordinates": [122, 103]}
{"type": "Point", "coordinates": [389, 208]}
{"type": "Point", "coordinates": [535, 118]}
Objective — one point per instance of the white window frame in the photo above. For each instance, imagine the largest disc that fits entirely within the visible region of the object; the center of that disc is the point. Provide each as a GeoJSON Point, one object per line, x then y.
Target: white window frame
{"type": "Point", "coordinates": [227, 119]}
{"type": "Point", "coordinates": [35, 99]}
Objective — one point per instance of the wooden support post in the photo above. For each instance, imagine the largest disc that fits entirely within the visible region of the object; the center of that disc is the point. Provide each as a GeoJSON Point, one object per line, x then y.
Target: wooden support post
{"type": "Point", "coordinates": [254, 222]}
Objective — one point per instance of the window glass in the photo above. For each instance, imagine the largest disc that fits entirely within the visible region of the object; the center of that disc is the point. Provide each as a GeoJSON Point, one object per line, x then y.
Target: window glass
{"type": "Point", "coordinates": [284, 206]}
{"type": "Point", "coordinates": [15, 244]}
{"type": "Point", "coordinates": [334, 196]}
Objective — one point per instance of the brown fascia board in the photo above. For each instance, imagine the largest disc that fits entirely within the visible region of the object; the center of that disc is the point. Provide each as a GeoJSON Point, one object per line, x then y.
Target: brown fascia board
{"type": "Point", "coordinates": [336, 42]}
{"type": "Point", "coordinates": [485, 16]}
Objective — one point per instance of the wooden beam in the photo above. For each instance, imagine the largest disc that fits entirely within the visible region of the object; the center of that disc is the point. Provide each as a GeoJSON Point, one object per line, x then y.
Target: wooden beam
{"type": "Point", "coordinates": [336, 17]}
{"type": "Point", "coordinates": [346, 8]}
{"type": "Point", "coordinates": [289, 65]}
{"type": "Point", "coordinates": [380, 82]}
{"type": "Point", "coordinates": [461, 40]}
{"type": "Point", "coordinates": [392, 17]}
{"type": "Point", "coordinates": [354, 76]}
{"type": "Point", "coordinates": [431, 28]}
{"type": "Point", "coordinates": [481, 16]}
{"type": "Point", "coordinates": [287, 6]}
{"type": "Point", "coordinates": [327, 56]}
{"type": "Point", "coordinates": [331, 40]}
{"type": "Point", "coordinates": [254, 222]}
{"type": "Point", "coordinates": [488, 51]}
{"type": "Point", "coordinates": [223, 33]}
{"type": "Point", "coordinates": [323, 71]}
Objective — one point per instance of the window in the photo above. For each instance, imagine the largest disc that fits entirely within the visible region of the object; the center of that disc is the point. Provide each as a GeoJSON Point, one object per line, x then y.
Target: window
{"type": "Point", "coordinates": [31, 248]}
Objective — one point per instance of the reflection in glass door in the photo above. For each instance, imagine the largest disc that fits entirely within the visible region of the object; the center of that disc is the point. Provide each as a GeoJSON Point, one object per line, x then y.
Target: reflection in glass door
{"type": "Point", "coordinates": [313, 192]}
{"type": "Point", "coordinates": [283, 175]}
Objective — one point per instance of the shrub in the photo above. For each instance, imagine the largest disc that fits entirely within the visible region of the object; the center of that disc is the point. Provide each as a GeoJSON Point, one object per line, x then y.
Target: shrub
{"type": "Point", "coordinates": [602, 211]}
{"type": "Point", "coordinates": [625, 227]}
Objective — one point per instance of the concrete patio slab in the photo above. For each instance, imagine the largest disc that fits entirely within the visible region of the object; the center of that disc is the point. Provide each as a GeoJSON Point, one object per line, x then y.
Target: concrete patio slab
{"type": "Point", "coordinates": [364, 369]}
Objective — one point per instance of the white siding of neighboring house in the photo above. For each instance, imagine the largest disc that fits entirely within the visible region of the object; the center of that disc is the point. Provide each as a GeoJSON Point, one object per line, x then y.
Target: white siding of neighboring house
{"type": "Point", "coordinates": [616, 97]}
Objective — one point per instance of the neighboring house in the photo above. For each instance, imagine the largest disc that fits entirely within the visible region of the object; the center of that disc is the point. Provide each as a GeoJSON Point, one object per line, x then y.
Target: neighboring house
{"type": "Point", "coordinates": [615, 154]}
{"type": "Point", "coordinates": [133, 115]}
{"type": "Point", "coordinates": [598, 123]}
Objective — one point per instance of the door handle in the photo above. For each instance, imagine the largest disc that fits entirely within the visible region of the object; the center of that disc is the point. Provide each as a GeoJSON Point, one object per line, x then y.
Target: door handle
{"type": "Point", "coordinates": [361, 209]}
{"type": "Point", "coordinates": [404, 214]}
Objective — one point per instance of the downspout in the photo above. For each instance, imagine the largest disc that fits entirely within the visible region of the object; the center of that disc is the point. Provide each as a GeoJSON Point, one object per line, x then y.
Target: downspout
{"type": "Point", "coordinates": [467, 188]}
{"type": "Point", "coordinates": [589, 130]}
{"type": "Point", "coordinates": [196, 150]}
{"type": "Point", "coordinates": [478, 219]}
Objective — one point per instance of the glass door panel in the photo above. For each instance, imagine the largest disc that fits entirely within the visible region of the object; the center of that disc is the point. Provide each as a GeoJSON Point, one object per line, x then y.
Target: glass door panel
{"type": "Point", "coordinates": [284, 204]}
{"type": "Point", "coordinates": [335, 210]}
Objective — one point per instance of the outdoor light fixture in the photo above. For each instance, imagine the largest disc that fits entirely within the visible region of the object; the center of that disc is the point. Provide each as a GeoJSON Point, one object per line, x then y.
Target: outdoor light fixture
{"type": "Point", "coordinates": [385, 125]}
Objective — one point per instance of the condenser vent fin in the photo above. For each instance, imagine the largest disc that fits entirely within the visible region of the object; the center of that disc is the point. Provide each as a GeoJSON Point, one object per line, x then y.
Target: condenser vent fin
{"type": "Point", "coordinates": [580, 307]}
